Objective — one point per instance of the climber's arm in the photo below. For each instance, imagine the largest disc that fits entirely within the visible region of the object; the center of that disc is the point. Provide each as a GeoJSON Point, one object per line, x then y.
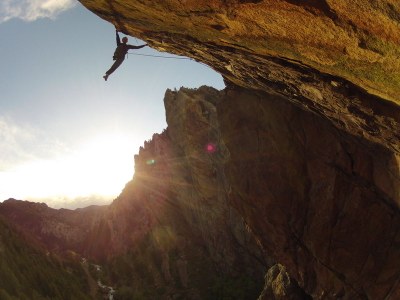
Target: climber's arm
{"type": "Point", "coordinates": [117, 37]}
{"type": "Point", "coordinates": [136, 47]}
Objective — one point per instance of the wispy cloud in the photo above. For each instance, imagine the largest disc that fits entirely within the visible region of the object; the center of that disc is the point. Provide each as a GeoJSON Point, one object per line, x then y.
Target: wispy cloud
{"type": "Point", "coordinates": [20, 143]}
{"type": "Point", "coordinates": [31, 10]}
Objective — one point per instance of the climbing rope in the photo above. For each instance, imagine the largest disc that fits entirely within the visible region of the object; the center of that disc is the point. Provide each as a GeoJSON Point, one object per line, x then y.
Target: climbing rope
{"type": "Point", "coordinates": [121, 26]}
{"type": "Point", "coordinates": [160, 56]}
{"type": "Point", "coordinates": [168, 57]}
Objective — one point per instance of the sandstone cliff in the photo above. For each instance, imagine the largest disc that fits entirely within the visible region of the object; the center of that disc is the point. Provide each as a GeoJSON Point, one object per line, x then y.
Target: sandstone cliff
{"type": "Point", "coordinates": [320, 201]}
{"type": "Point", "coordinates": [311, 121]}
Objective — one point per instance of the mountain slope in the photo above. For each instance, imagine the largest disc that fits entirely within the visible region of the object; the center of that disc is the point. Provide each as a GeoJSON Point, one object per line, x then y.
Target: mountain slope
{"type": "Point", "coordinates": [27, 273]}
{"type": "Point", "coordinates": [171, 232]}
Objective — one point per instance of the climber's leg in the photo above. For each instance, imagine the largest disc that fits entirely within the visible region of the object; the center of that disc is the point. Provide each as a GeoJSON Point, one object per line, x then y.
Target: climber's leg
{"type": "Point", "coordinates": [115, 66]}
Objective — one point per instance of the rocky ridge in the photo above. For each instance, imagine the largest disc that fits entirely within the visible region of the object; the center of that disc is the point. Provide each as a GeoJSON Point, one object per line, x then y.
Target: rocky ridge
{"type": "Point", "coordinates": [171, 231]}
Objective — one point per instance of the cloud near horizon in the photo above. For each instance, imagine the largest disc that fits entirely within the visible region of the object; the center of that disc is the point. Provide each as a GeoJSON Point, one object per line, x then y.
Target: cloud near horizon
{"type": "Point", "coordinates": [31, 10]}
{"type": "Point", "coordinates": [73, 203]}
{"type": "Point", "coordinates": [20, 143]}
{"type": "Point", "coordinates": [39, 168]}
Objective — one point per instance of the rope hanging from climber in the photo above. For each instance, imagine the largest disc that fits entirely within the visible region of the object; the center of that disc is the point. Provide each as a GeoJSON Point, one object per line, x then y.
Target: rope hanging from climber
{"type": "Point", "coordinates": [122, 51]}
{"type": "Point", "coordinates": [123, 47]}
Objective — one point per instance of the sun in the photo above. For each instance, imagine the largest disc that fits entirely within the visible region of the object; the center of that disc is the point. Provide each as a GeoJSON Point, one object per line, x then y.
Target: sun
{"type": "Point", "coordinates": [104, 165]}
{"type": "Point", "coordinates": [100, 166]}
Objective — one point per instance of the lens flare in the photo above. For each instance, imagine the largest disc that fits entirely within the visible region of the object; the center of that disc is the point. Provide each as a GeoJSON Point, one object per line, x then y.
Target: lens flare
{"type": "Point", "coordinates": [211, 148]}
{"type": "Point", "coordinates": [151, 162]}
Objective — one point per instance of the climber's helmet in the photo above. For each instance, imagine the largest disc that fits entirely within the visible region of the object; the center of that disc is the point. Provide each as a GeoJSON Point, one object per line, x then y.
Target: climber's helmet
{"type": "Point", "coordinates": [124, 39]}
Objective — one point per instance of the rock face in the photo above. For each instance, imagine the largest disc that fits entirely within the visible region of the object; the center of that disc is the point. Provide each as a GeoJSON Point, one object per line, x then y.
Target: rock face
{"type": "Point", "coordinates": [321, 202]}
{"type": "Point", "coordinates": [278, 285]}
{"type": "Point", "coordinates": [28, 273]}
{"type": "Point", "coordinates": [181, 174]}
{"type": "Point", "coordinates": [311, 121]}
{"type": "Point", "coordinates": [329, 57]}
{"type": "Point", "coordinates": [171, 229]}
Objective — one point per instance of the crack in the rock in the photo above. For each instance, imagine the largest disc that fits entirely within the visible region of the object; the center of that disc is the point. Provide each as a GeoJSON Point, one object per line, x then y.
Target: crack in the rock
{"type": "Point", "coordinates": [339, 275]}
{"type": "Point", "coordinates": [362, 182]}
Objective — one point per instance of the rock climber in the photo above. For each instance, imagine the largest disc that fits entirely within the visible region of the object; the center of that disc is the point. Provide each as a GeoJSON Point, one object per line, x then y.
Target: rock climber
{"type": "Point", "coordinates": [119, 54]}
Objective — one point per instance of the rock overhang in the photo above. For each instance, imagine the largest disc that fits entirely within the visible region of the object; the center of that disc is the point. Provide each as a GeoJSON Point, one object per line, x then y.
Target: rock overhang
{"type": "Point", "coordinates": [338, 59]}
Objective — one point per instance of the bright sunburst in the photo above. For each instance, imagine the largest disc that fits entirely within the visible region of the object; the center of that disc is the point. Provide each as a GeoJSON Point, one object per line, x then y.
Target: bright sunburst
{"type": "Point", "coordinates": [100, 167]}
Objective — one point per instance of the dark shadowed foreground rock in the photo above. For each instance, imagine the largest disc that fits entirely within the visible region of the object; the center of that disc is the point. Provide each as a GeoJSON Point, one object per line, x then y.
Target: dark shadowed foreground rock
{"type": "Point", "coordinates": [323, 203]}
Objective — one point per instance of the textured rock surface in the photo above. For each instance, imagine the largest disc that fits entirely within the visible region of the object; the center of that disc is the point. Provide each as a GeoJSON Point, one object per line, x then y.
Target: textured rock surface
{"type": "Point", "coordinates": [279, 286]}
{"type": "Point", "coordinates": [327, 56]}
{"type": "Point", "coordinates": [324, 205]}
{"type": "Point", "coordinates": [183, 167]}
{"type": "Point", "coordinates": [358, 40]}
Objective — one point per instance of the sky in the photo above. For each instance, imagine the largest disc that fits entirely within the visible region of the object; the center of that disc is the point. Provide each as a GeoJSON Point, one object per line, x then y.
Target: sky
{"type": "Point", "coordinates": [67, 137]}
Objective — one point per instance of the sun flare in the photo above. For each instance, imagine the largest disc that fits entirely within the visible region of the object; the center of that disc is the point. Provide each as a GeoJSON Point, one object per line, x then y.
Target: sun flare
{"type": "Point", "coordinates": [101, 166]}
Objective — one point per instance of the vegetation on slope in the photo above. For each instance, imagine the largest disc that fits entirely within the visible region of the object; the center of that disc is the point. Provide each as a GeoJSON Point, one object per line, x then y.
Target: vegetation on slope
{"type": "Point", "coordinates": [26, 273]}
{"type": "Point", "coordinates": [172, 261]}
{"type": "Point", "coordinates": [147, 272]}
